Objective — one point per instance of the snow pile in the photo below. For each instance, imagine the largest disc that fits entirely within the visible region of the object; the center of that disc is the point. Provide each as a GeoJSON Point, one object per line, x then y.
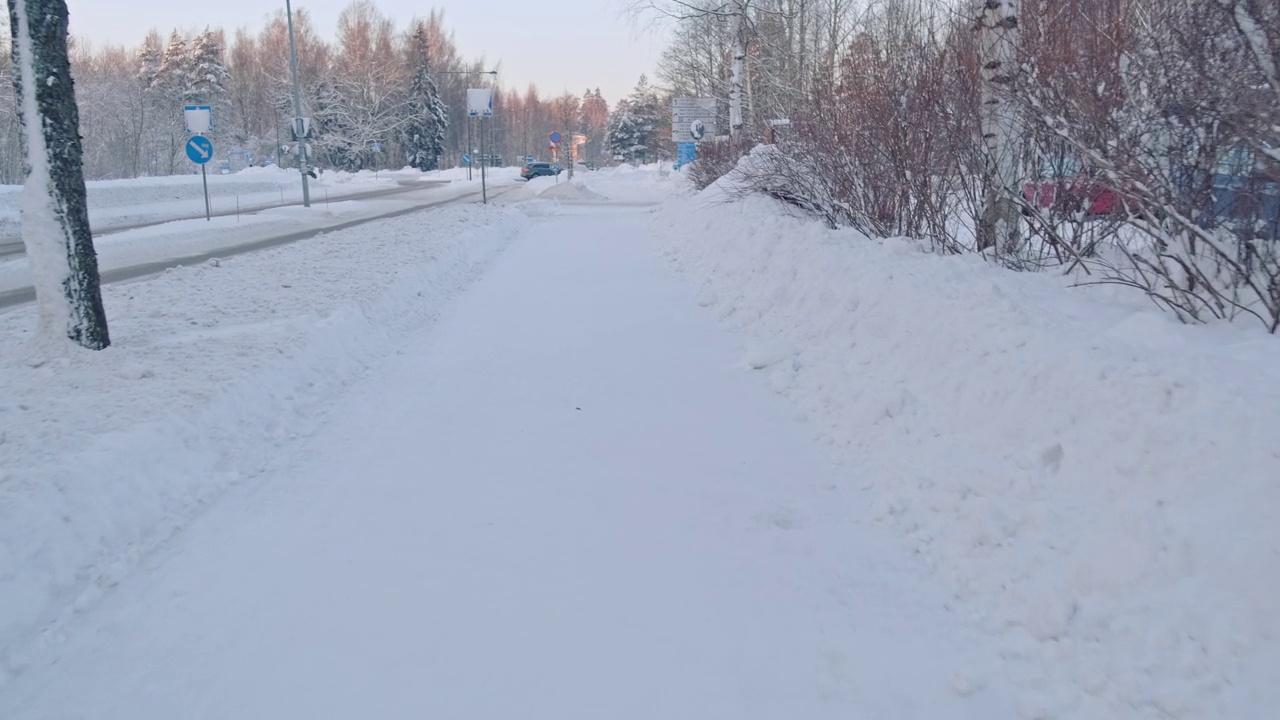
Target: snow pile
{"type": "Point", "coordinates": [1096, 486]}
{"type": "Point", "coordinates": [213, 368]}
{"type": "Point", "coordinates": [620, 189]}
{"type": "Point", "coordinates": [573, 192]}
{"type": "Point", "coordinates": [646, 185]}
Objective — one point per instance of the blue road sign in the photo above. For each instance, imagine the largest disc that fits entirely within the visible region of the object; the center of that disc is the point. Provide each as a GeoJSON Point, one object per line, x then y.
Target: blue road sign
{"type": "Point", "coordinates": [528, 159]}
{"type": "Point", "coordinates": [686, 152]}
{"type": "Point", "coordinates": [466, 159]}
{"type": "Point", "coordinates": [555, 138]}
{"type": "Point", "coordinates": [199, 149]}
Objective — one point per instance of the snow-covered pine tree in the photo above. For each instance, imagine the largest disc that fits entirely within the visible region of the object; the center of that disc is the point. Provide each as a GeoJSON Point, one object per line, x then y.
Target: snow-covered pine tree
{"type": "Point", "coordinates": [207, 79]}
{"type": "Point", "coordinates": [171, 89]}
{"type": "Point", "coordinates": [175, 73]}
{"type": "Point", "coordinates": [428, 119]}
{"type": "Point", "coordinates": [149, 58]}
{"type": "Point", "coordinates": [625, 136]}
{"type": "Point", "coordinates": [637, 121]}
{"type": "Point", "coordinates": [55, 213]}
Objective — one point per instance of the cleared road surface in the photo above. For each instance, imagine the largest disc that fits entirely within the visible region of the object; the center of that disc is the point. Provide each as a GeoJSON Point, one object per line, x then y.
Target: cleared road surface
{"type": "Point", "coordinates": [28, 294]}
{"type": "Point", "coordinates": [12, 245]}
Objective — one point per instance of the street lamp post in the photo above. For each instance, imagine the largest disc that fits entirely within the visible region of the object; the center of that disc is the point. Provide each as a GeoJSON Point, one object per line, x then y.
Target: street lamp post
{"type": "Point", "coordinates": [299, 126]}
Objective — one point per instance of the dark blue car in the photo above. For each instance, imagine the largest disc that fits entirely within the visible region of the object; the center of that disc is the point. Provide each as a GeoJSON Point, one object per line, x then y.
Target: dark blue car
{"type": "Point", "coordinates": [1244, 196]}
{"type": "Point", "coordinates": [537, 169]}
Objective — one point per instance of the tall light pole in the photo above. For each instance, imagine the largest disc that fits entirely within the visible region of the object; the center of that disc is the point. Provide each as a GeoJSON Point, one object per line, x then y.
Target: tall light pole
{"type": "Point", "coordinates": [299, 127]}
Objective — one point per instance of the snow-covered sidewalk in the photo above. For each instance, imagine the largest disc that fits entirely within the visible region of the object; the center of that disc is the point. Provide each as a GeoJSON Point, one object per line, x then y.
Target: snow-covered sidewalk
{"type": "Point", "coordinates": [212, 370]}
{"type": "Point", "coordinates": [318, 481]}
{"type": "Point", "coordinates": [562, 501]}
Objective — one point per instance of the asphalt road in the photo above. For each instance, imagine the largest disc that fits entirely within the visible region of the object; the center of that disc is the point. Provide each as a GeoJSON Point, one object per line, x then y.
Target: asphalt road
{"type": "Point", "coordinates": [28, 294]}
{"type": "Point", "coordinates": [12, 245]}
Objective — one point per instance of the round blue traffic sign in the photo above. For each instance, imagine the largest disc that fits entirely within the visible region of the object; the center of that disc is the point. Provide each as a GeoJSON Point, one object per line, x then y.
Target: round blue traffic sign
{"type": "Point", "coordinates": [199, 149]}
{"type": "Point", "coordinates": [466, 159]}
{"type": "Point", "coordinates": [555, 137]}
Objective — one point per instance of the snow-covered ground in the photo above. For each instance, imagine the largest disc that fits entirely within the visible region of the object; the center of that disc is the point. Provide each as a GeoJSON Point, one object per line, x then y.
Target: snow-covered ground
{"type": "Point", "coordinates": [667, 456]}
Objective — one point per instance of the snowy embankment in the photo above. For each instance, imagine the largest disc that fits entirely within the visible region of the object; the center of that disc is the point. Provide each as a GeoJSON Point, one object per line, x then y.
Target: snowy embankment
{"type": "Point", "coordinates": [1096, 486]}
{"type": "Point", "coordinates": [181, 239]}
{"type": "Point", "coordinates": [120, 203]}
{"type": "Point", "coordinates": [213, 367]}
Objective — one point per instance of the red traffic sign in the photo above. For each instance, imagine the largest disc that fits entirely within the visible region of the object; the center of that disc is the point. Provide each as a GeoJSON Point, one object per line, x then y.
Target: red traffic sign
{"type": "Point", "coordinates": [555, 138]}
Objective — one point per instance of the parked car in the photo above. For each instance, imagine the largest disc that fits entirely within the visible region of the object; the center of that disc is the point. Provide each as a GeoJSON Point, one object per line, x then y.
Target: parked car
{"type": "Point", "coordinates": [1064, 187]}
{"type": "Point", "coordinates": [1244, 193]}
{"type": "Point", "coordinates": [540, 169]}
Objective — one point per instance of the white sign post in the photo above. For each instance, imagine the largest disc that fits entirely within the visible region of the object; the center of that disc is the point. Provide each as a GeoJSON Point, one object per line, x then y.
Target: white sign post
{"type": "Point", "coordinates": [480, 105]}
{"type": "Point", "coordinates": [480, 102]}
{"type": "Point", "coordinates": [693, 119]}
{"type": "Point", "coordinates": [199, 119]}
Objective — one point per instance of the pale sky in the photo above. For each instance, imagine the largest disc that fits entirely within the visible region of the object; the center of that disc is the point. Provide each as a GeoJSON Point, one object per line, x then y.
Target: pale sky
{"type": "Point", "coordinates": [557, 44]}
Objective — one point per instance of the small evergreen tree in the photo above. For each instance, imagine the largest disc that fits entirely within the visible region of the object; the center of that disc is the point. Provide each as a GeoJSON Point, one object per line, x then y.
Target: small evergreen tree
{"type": "Point", "coordinates": [428, 119]}
{"type": "Point", "coordinates": [635, 125]}
{"type": "Point", "coordinates": [626, 136]}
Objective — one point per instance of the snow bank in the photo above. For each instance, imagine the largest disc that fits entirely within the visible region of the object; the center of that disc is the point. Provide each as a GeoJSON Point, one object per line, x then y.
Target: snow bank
{"type": "Point", "coordinates": [1095, 485]}
{"type": "Point", "coordinates": [573, 192]}
{"type": "Point", "coordinates": [213, 368]}
{"type": "Point", "coordinates": [118, 203]}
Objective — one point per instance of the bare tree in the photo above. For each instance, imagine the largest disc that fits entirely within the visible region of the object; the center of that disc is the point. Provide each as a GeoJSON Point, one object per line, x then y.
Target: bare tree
{"type": "Point", "coordinates": [55, 215]}
{"type": "Point", "coordinates": [11, 170]}
{"type": "Point", "coordinates": [738, 15]}
{"type": "Point", "coordinates": [998, 32]}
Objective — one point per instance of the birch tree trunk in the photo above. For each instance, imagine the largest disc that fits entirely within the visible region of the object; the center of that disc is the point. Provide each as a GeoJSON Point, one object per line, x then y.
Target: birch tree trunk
{"type": "Point", "coordinates": [998, 28]}
{"type": "Point", "coordinates": [55, 215]}
{"type": "Point", "coordinates": [738, 29]}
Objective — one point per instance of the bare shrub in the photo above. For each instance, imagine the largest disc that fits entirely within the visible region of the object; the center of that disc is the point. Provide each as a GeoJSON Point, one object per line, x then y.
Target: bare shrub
{"type": "Point", "coordinates": [1179, 121]}
{"type": "Point", "coordinates": [1146, 143]}
{"type": "Point", "coordinates": [715, 160]}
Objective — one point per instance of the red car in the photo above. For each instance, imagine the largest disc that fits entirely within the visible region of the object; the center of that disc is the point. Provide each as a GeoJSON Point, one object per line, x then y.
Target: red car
{"type": "Point", "coordinates": [1066, 190]}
